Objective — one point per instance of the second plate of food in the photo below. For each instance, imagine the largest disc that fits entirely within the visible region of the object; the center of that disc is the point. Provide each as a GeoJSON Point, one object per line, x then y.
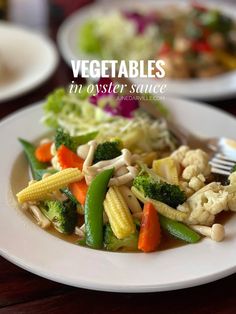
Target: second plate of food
{"type": "Point", "coordinates": [197, 42]}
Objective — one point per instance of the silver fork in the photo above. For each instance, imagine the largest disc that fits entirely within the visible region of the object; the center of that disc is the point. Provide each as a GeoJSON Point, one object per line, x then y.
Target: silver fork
{"type": "Point", "coordinates": [222, 164]}
{"type": "Point", "coordinates": [222, 151]}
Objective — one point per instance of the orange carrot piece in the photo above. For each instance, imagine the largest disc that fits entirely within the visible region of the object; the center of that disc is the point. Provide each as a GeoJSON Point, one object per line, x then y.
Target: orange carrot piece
{"type": "Point", "coordinates": [150, 231]}
{"type": "Point", "coordinates": [43, 152]}
{"type": "Point", "coordinates": [68, 159]}
{"type": "Point", "coordinates": [79, 190]}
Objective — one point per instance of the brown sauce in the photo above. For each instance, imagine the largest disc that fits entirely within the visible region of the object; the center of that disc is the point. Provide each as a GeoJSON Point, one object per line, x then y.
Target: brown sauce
{"type": "Point", "coordinates": [167, 241]}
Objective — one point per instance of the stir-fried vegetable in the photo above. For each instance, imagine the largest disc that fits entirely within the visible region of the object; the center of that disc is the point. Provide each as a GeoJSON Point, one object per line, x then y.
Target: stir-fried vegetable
{"type": "Point", "coordinates": [150, 231]}
{"type": "Point", "coordinates": [68, 159]}
{"type": "Point", "coordinates": [107, 150]}
{"type": "Point", "coordinates": [79, 191]}
{"type": "Point", "coordinates": [94, 209]}
{"type": "Point", "coordinates": [43, 152]}
{"type": "Point", "coordinates": [63, 215]}
{"type": "Point", "coordinates": [37, 167]}
{"type": "Point", "coordinates": [41, 189]}
{"type": "Point", "coordinates": [167, 169]}
{"type": "Point", "coordinates": [161, 191]}
{"type": "Point", "coordinates": [162, 208]}
{"type": "Point", "coordinates": [72, 142]}
{"type": "Point", "coordinates": [179, 230]}
{"type": "Point", "coordinates": [112, 243]}
{"type": "Point", "coordinates": [118, 213]}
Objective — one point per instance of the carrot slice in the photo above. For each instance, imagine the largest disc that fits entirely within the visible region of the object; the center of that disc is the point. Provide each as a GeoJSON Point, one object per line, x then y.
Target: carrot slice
{"type": "Point", "coordinates": [43, 152]}
{"type": "Point", "coordinates": [79, 190]}
{"type": "Point", "coordinates": [150, 231]}
{"type": "Point", "coordinates": [68, 159]}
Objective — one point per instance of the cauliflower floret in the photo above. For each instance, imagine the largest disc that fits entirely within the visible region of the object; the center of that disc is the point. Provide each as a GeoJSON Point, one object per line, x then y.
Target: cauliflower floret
{"type": "Point", "coordinates": [231, 188]}
{"type": "Point", "coordinates": [185, 187]}
{"type": "Point", "coordinates": [232, 178]}
{"type": "Point", "coordinates": [232, 201]}
{"type": "Point", "coordinates": [190, 171]}
{"type": "Point", "coordinates": [197, 182]}
{"type": "Point", "coordinates": [179, 154]}
{"type": "Point", "coordinates": [198, 158]}
{"type": "Point", "coordinates": [203, 205]}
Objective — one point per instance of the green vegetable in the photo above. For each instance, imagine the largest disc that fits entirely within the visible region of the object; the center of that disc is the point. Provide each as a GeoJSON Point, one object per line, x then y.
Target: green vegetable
{"type": "Point", "coordinates": [68, 193]}
{"type": "Point", "coordinates": [88, 41]}
{"type": "Point", "coordinates": [111, 242]}
{"type": "Point", "coordinates": [107, 150]}
{"type": "Point", "coordinates": [72, 142]}
{"type": "Point", "coordinates": [216, 21]}
{"type": "Point", "coordinates": [179, 230]}
{"type": "Point", "coordinates": [37, 168]}
{"type": "Point", "coordinates": [153, 188]}
{"type": "Point", "coordinates": [162, 208]}
{"type": "Point", "coordinates": [63, 215]}
{"type": "Point", "coordinates": [93, 209]}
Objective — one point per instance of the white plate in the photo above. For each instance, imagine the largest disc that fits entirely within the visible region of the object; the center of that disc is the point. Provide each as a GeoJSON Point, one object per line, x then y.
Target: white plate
{"type": "Point", "coordinates": [222, 86]}
{"type": "Point", "coordinates": [31, 57]}
{"type": "Point", "coordinates": [25, 244]}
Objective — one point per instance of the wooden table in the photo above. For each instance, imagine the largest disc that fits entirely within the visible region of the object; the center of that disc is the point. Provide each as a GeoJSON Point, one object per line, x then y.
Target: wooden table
{"type": "Point", "coordinates": [23, 292]}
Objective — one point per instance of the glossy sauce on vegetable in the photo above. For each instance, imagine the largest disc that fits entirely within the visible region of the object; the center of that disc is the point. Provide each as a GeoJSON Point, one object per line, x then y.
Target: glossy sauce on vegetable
{"type": "Point", "coordinates": [167, 241]}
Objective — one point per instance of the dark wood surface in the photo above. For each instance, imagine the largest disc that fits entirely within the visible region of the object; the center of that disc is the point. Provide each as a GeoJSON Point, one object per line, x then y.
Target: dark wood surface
{"type": "Point", "coordinates": [23, 292]}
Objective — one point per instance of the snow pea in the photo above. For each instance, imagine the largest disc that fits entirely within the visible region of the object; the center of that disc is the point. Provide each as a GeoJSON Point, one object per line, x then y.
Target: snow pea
{"type": "Point", "coordinates": [93, 209]}
{"type": "Point", "coordinates": [179, 230]}
{"type": "Point", "coordinates": [37, 168]}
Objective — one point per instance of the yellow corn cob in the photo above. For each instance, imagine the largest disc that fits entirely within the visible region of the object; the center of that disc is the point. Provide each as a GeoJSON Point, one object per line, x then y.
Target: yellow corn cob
{"type": "Point", "coordinates": [42, 188]}
{"type": "Point", "coordinates": [118, 213]}
{"type": "Point", "coordinates": [162, 208]}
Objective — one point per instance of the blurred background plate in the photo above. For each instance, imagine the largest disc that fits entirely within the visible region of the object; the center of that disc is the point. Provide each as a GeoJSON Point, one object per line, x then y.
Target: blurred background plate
{"type": "Point", "coordinates": [27, 59]}
{"type": "Point", "coordinates": [219, 87]}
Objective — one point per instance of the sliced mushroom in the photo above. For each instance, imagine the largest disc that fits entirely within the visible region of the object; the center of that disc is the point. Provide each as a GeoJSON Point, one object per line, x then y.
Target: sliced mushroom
{"type": "Point", "coordinates": [42, 221]}
{"type": "Point", "coordinates": [216, 232]}
{"type": "Point", "coordinates": [130, 199]}
{"type": "Point", "coordinates": [125, 178]}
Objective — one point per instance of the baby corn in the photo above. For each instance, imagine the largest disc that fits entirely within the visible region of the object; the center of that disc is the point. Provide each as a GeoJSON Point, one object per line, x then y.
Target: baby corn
{"type": "Point", "coordinates": [40, 190]}
{"type": "Point", "coordinates": [118, 213]}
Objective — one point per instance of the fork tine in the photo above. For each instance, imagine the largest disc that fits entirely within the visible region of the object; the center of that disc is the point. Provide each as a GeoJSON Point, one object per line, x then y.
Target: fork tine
{"type": "Point", "coordinates": [220, 166]}
{"type": "Point", "coordinates": [223, 157]}
{"type": "Point", "coordinates": [223, 162]}
{"type": "Point", "coordinates": [219, 171]}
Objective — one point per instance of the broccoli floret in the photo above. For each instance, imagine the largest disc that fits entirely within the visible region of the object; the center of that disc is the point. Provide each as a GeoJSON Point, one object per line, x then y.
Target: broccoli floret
{"type": "Point", "coordinates": [72, 142]}
{"type": "Point", "coordinates": [161, 191]}
{"type": "Point", "coordinates": [63, 215]}
{"type": "Point", "coordinates": [64, 138]}
{"type": "Point", "coordinates": [111, 242]}
{"type": "Point", "coordinates": [107, 150]}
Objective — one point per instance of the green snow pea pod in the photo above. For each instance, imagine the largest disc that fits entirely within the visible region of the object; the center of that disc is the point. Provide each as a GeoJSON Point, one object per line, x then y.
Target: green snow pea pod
{"type": "Point", "coordinates": [37, 168]}
{"type": "Point", "coordinates": [179, 230]}
{"type": "Point", "coordinates": [93, 209]}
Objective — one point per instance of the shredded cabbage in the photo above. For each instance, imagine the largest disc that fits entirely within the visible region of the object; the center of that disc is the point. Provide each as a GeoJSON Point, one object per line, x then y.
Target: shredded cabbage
{"type": "Point", "coordinates": [97, 37]}
{"type": "Point", "coordinates": [77, 115]}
